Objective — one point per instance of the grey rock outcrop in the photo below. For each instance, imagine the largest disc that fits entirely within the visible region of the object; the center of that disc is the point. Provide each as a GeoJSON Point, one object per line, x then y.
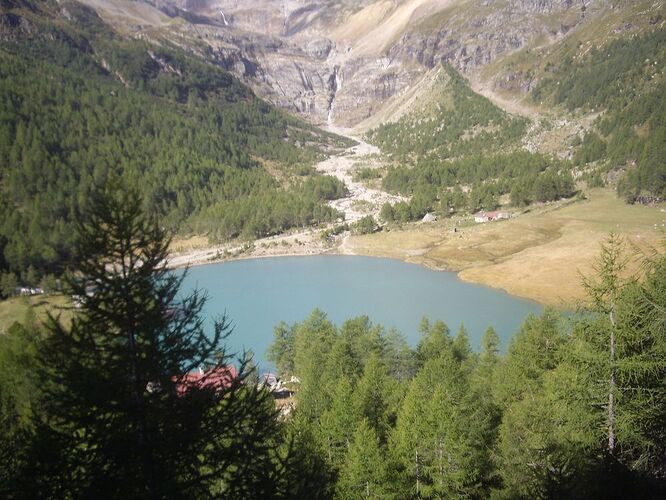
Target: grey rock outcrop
{"type": "Point", "coordinates": [290, 53]}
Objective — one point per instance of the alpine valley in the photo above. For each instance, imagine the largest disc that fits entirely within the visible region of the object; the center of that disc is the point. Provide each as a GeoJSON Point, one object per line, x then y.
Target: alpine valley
{"type": "Point", "coordinates": [267, 127]}
{"type": "Point", "coordinates": [519, 145]}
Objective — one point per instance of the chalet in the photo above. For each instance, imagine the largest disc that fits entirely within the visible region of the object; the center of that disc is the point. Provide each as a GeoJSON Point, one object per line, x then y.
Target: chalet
{"type": "Point", "coordinates": [90, 291]}
{"type": "Point", "coordinates": [274, 385]}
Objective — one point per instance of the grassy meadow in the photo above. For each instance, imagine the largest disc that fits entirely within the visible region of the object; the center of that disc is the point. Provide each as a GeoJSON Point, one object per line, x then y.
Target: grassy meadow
{"type": "Point", "coordinates": [538, 254]}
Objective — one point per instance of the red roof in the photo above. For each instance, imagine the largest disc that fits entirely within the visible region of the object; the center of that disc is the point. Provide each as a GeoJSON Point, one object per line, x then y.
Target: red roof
{"type": "Point", "coordinates": [217, 378]}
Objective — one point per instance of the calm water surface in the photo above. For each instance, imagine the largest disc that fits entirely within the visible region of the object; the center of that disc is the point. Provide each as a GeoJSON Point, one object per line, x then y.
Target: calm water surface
{"type": "Point", "coordinates": [259, 293]}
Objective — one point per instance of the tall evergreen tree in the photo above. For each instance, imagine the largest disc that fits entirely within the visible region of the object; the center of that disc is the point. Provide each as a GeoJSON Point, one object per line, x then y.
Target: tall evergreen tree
{"type": "Point", "coordinates": [603, 291]}
{"type": "Point", "coordinates": [122, 416]}
{"type": "Point", "coordinates": [372, 395]}
{"type": "Point", "coordinates": [337, 424]}
{"type": "Point", "coordinates": [365, 472]}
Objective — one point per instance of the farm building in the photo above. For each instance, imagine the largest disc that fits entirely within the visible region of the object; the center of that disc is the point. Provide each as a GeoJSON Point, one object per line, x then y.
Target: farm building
{"type": "Point", "coordinates": [481, 217]}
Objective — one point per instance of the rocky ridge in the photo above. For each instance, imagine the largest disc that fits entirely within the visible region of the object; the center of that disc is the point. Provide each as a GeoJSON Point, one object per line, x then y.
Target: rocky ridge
{"type": "Point", "coordinates": [337, 62]}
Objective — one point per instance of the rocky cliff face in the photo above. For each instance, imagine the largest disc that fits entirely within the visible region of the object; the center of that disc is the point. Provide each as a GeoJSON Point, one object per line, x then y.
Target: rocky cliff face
{"type": "Point", "coordinates": [337, 61]}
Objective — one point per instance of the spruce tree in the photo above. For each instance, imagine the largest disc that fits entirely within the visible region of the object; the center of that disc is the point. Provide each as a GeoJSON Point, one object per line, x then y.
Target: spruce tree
{"type": "Point", "coordinates": [122, 416]}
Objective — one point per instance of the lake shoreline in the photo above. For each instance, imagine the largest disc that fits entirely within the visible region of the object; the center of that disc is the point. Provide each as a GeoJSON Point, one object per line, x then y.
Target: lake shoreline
{"type": "Point", "coordinates": [258, 294]}
{"type": "Point", "coordinates": [221, 254]}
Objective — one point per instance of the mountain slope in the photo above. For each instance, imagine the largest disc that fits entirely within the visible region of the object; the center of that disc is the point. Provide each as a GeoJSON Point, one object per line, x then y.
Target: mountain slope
{"type": "Point", "coordinates": [81, 104]}
{"type": "Point", "coordinates": [339, 60]}
{"type": "Point", "coordinates": [448, 121]}
{"type": "Point", "coordinates": [626, 79]}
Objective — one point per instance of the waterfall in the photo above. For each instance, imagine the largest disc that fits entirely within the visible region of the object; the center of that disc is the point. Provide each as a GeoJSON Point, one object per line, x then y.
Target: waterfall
{"type": "Point", "coordinates": [334, 86]}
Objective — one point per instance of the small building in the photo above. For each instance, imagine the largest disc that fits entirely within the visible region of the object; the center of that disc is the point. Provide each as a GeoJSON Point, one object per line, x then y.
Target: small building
{"type": "Point", "coordinates": [270, 381]}
{"type": "Point", "coordinates": [481, 217]}
{"type": "Point", "coordinates": [218, 378]}
{"type": "Point", "coordinates": [429, 218]}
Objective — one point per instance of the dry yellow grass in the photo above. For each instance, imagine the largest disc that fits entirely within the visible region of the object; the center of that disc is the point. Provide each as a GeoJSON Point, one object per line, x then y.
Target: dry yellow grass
{"type": "Point", "coordinates": [538, 255]}
{"type": "Point", "coordinates": [180, 245]}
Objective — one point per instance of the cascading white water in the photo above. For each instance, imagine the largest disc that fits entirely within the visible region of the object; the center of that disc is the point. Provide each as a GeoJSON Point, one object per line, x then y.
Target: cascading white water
{"type": "Point", "coordinates": [335, 84]}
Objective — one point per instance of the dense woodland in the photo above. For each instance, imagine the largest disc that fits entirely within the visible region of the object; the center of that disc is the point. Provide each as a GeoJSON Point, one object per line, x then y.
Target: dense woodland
{"type": "Point", "coordinates": [459, 123]}
{"type": "Point", "coordinates": [100, 405]}
{"type": "Point", "coordinates": [558, 415]}
{"type": "Point", "coordinates": [108, 402]}
{"type": "Point", "coordinates": [108, 144]}
{"type": "Point", "coordinates": [626, 78]}
{"type": "Point", "coordinates": [436, 187]}
{"type": "Point", "coordinates": [464, 141]}
{"type": "Point", "coordinates": [437, 151]}
{"type": "Point", "coordinates": [79, 104]}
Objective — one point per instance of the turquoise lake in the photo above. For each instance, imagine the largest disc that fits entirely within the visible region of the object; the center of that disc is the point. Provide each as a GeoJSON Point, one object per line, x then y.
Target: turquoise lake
{"type": "Point", "coordinates": [257, 294]}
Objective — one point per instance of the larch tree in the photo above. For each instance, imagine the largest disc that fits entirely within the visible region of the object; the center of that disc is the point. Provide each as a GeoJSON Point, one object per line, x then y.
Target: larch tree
{"type": "Point", "coordinates": [621, 346]}
{"type": "Point", "coordinates": [603, 290]}
{"type": "Point", "coordinates": [365, 472]}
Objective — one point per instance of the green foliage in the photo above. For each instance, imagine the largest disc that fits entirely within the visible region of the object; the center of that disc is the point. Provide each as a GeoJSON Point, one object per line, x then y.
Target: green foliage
{"type": "Point", "coordinates": [436, 185]}
{"type": "Point", "coordinates": [373, 416]}
{"type": "Point", "coordinates": [280, 352]}
{"type": "Point", "coordinates": [435, 341]}
{"type": "Point", "coordinates": [441, 421]}
{"type": "Point", "coordinates": [365, 472]}
{"type": "Point", "coordinates": [20, 394]}
{"type": "Point", "coordinates": [470, 124]}
{"type": "Point", "coordinates": [625, 78]}
{"type": "Point", "coordinates": [334, 231]}
{"type": "Point", "coordinates": [118, 414]}
{"type": "Point", "coordinates": [366, 225]}
{"type": "Point", "coordinates": [606, 74]}
{"type": "Point", "coordinates": [372, 396]}
{"type": "Point", "coordinates": [8, 284]}
{"type": "Point", "coordinates": [591, 149]}
{"type": "Point", "coordinates": [270, 211]}
{"type": "Point", "coordinates": [366, 174]}
{"type": "Point", "coordinates": [79, 103]}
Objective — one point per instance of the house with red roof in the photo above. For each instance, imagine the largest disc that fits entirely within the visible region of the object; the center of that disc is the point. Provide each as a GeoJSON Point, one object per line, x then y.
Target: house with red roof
{"type": "Point", "coordinates": [218, 378]}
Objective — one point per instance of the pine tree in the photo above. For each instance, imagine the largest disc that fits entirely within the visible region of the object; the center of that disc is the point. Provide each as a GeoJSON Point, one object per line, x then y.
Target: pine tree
{"type": "Point", "coordinates": [281, 351]}
{"type": "Point", "coordinates": [620, 361]}
{"type": "Point", "coordinates": [460, 345]}
{"type": "Point", "coordinates": [337, 424]}
{"type": "Point", "coordinates": [121, 415]}
{"type": "Point", "coordinates": [434, 342]}
{"type": "Point", "coordinates": [438, 439]}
